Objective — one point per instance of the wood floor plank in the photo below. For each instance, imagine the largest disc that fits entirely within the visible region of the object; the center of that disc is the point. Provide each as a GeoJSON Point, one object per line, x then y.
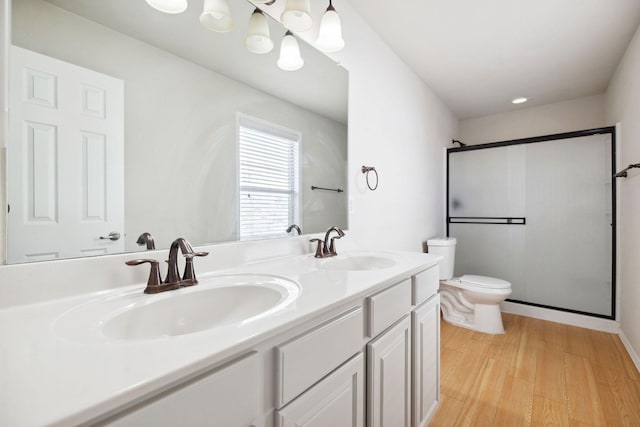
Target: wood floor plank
{"type": "Point", "coordinates": [515, 404]}
{"type": "Point", "coordinates": [549, 413]}
{"type": "Point", "coordinates": [582, 391]}
{"type": "Point", "coordinates": [620, 398]}
{"type": "Point", "coordinates": [552, 334]}
{"type": "Point", "coordinates": [628, 366]}
{"type": "Point", "coordinates": [448, 412]}
{"type": "Point", "coordinates": [576, 341]}
{"type": "Point", "coordinates": [486, 390]}
{"type": "Point", "coordinates": [449, 363]}
{"type": "Point", "coordinates": [461, 380]}
{"type": "Point", "coordinates": [524, 363]}
{"type": "Point", "coordinates": [457, 339]}
{"type": "Point", "coordinates": [550, 378]}
{"type": "Point", "coordinates": [538, 373]}
{"type": "Point", "coordinates": [601, 341]}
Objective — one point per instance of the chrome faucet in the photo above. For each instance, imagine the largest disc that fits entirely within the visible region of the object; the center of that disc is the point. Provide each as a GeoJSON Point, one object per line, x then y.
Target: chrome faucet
{"type": "Point", "coordinates": [146, 239]}
{"type": "Point", "coordinates": [173, 275]}
{"type": "Point", "coordinates": [173, 279]}
{"type": "Point", "coordinates": [294, 227]}
{"type": "Point", "coordinates": [327, 248]}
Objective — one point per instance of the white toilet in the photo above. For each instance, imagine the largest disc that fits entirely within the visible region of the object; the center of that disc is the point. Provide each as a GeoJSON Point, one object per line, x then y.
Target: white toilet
{"type": "Point", "coordinates": [469, 301]}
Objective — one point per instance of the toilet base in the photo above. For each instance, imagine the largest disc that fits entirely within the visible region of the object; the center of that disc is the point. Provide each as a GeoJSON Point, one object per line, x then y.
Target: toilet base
{"type": "Point", "coordinates": [457, 310]}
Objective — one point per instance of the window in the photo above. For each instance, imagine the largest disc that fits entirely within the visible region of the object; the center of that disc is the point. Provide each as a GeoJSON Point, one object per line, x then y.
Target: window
{"type": "Point", "coordinates": [268, 171]}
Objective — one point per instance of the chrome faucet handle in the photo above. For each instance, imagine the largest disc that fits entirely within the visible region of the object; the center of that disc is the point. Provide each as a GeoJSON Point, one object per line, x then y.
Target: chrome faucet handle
{"type": "Point", "coordinates": [319, 248]}
{"type": "Point", "coordinates": [154, 283]}
{"type": "Point", "coordinates": [189, 276]}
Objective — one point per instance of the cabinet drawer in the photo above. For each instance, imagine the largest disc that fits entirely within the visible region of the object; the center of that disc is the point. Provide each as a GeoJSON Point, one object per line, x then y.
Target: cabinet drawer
{"type": "Point", "coordinates": [304, 360]}
{"type": "Point", "coordinates": [226, 396]}
{"type": "Point", "coordinates": [337, 400]}
{"type": "Point", "coordinates": [425, 285]}
{"type": "Point", "coordinates": [388, 306]}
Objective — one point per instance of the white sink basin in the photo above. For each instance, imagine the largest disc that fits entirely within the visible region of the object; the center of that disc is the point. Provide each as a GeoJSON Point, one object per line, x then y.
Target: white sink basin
{"type": "Point", "coordinates": [215, 302]}
{"type": "Point", "coordinates": [357, 263]}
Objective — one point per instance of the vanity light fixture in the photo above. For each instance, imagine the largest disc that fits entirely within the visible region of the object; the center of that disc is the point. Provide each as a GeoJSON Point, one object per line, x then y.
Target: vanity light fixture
{"type": "Point", "coordinates": [290, 59]}
{"type": "Point", "coordinates": [216, 16]}
{"type": "Point", "coordinates": [520, 100]}
{"type": "Point", "coordinates": [330, 33]}
{"type": "Point", "coordinates": [258, 39]}
{"type": "Point", "coordinates": [296, 15]}
{"type": "Point", "coordinates": [169, 6]}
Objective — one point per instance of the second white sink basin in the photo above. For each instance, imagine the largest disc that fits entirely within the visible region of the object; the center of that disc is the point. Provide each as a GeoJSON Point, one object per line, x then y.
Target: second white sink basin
{"type": "Point", "coordinates": [215, 302]}
{"type": "Point", "coordinates": [357, 263]}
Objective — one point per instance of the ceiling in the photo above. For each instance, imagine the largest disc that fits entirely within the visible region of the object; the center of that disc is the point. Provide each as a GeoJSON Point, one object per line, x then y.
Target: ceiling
{"type": "Point", "coordinates": [479, 55]}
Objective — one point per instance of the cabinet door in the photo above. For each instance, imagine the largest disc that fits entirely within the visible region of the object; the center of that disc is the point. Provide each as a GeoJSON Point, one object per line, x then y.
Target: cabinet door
{"type": "Point", "coordinates": [426, 360]}
{"type": "Point", "coordinates": [389, 377]}
{"type": "Point", "coordinates": [225, 397]}
{"type": "Point", "coordinates": [337, 400]}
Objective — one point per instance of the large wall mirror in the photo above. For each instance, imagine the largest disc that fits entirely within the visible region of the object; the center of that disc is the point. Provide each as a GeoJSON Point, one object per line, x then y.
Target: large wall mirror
{"type": "Point", "coordinates": [126, 120]}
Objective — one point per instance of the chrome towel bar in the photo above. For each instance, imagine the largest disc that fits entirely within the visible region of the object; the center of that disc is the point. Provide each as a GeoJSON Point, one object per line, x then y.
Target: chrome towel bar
{"type": "Point", "coordinates": [623, 173]}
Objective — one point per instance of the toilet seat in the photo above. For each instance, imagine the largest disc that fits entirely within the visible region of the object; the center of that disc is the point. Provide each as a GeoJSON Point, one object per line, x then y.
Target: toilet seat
{"type": "Point", "coordinates": [484, 282]}
{"type": "Point", "coordinates": [479, 284]}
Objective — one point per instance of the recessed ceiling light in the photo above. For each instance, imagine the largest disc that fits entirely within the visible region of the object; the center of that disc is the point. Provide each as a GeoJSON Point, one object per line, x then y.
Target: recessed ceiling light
{"type": "Point", "coordinates": [519, 100]}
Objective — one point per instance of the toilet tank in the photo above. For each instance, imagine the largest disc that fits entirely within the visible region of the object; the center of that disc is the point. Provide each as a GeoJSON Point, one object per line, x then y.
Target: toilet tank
{"type": "Point", "coordinates": [446, 247]}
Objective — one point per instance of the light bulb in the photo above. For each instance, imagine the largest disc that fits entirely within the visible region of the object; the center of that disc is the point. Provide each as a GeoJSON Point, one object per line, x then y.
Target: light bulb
{"type": "Point", "coordinates": [290, 59]}
{"type": "Point", "coordinates": [258, 39]}
{"type": "Point", "coordinates": [330, 33]}
{"type": "Point", "coordinates": [216, 16]}
{"type": "Point", "coordinates": [296, 15]}
{"type": "Point", "coordinates": [169, 6]}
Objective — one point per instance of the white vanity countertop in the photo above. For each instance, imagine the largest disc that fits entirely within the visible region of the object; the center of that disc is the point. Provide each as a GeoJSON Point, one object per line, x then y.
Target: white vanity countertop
{"type": "Point", "coordinates": [48, 379]}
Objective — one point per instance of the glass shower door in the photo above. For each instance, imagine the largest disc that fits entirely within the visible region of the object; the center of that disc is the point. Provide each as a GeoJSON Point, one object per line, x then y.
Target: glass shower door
{"type": "Point", "coordinates": [540, 216]}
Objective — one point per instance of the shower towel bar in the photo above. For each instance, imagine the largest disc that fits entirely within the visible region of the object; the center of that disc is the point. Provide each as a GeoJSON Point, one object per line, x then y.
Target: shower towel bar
{"type": "Point", "coordinates": [487, 220]}
{"type": "Point", "coordinates": [623, 173]}
{"type": "Point", "coordinates": [337, 190]}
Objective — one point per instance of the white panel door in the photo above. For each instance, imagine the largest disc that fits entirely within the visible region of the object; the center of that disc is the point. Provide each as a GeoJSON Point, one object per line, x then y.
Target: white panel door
{"type": "Point", "coordinates": [426, 360]}
{"type": "Point", "coordinates": [389, 377]}
{"type": "Point", "coordinates": [65, 160]}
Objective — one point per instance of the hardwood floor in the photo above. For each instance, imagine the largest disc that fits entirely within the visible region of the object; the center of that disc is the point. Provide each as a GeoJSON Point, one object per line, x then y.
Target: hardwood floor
{"type": "Point", "coordinates": [537, 374]}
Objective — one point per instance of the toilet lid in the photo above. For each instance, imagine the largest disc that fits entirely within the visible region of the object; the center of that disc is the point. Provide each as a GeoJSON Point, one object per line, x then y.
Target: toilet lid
{"type": "Point", "coordinates": [485, 282]}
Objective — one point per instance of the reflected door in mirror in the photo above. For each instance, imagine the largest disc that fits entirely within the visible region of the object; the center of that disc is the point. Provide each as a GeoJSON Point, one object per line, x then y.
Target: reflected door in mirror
{"type": "Point", "coordinates": [65, 160]}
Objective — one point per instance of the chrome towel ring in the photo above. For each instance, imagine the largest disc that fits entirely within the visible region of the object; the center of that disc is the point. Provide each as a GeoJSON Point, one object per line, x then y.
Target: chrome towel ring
{"type": "Point", "coordinates": [366, 170]}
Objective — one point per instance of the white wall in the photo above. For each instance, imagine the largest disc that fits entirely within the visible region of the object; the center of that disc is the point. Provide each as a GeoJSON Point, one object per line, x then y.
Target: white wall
{"type": "Point", "coordinates": [577, 114]}
{"type": "Point", "coordinates": [399, 126]}
{"type": "Point", "coordinates": [180, 152]}
{"type": "Point", "coordinates": [623, 105]}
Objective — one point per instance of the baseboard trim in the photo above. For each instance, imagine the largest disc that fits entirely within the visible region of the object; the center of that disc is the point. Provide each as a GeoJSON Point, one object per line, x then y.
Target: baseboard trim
{"type": "Point", "coordinates": [573, 319]}
{"type": "Point", "coordinates": [632, 353]}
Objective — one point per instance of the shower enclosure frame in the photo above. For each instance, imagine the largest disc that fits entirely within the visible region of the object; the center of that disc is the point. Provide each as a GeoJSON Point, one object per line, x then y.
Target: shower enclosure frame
{"type": "Point", "coordinates": [610, 130]}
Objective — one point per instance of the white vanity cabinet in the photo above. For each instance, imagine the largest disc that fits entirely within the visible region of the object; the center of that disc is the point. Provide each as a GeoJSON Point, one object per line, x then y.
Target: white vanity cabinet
{"type": "Point", "coordinates": [373, 362]}
{"type": "Point", "coordinates": [389, 377]}
{"type": "Point", "coordinates": [426, 360]}
{"type": "Point", "coordinates": [226, 396]}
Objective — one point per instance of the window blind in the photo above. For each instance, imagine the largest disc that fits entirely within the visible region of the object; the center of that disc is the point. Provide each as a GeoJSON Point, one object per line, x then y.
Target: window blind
{"type": "Point", "coordinates": [268, 180]}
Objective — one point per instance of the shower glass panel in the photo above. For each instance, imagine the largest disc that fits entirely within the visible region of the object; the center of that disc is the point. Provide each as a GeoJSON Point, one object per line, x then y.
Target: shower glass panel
{"type": "Point", "coordinates": [538, 213]}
